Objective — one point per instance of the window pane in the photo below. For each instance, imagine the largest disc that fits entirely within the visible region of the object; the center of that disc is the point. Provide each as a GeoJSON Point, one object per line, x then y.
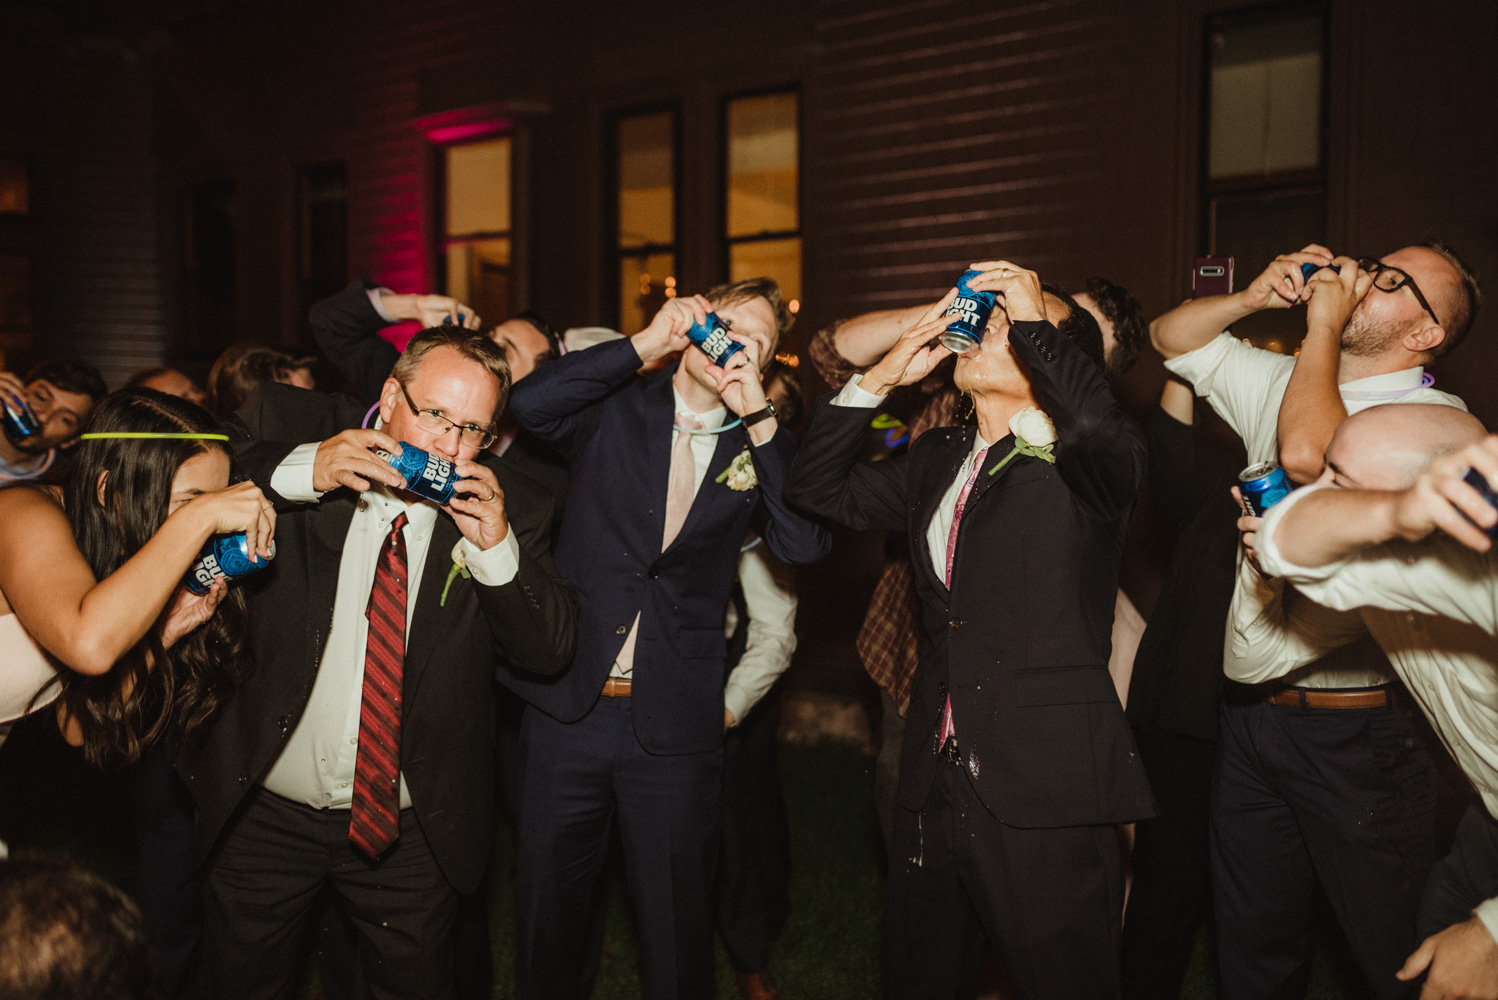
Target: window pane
{"type": "Point", "coordinates": [647, 182]}
{"type": "Point", "coordinates": [643, 285]}
{"type": "Point", "coordinates": [778, 259]}
{"type": "Point", "coordinates": [1266, 97]}
{"type": "Point", "coordinates": [478, 187]}
{"type": "Point", "coordinates": [15, 195]}
{"type": "Point", "coordinates": [1253, 230]}
{"type": "Point", "coordinates": [478, 275]}
{"type": "Point", "coordinates": [763, 148]}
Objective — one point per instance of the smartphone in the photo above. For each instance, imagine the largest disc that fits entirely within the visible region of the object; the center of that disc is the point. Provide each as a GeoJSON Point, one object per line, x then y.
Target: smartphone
{"type": "Point", "coordinates": [1211, 276]}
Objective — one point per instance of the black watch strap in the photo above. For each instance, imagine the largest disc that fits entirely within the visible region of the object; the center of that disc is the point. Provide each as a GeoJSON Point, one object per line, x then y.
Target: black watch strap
{"type": "Point", "coordinates": [750, 419]}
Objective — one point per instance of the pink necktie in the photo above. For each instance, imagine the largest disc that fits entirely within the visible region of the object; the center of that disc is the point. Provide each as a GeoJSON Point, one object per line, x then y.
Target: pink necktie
{"type": "Point", "coordinates": [679, 487]}
{"type": "Point", "coordinates": [947, 729]}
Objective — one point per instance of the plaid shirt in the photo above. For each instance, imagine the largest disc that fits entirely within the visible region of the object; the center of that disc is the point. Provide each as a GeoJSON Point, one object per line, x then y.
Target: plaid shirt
{"type": "Point", "coordinates": [888, 642]}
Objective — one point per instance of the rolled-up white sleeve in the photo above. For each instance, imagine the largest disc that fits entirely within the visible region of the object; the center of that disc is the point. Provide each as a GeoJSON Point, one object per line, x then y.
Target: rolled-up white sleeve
{"type": "Point", "coordinates": [293, 477]}
{"type": "Point", "coordinates": [496, 565]}
{"type": "Point", "coordinates": [770, 597]}
{"type": "Point", "coordinates": [856, 395]}
{"type": "Point", "coordinates": [1243, 383]}
{"type": "Point", "coordinates": [1273, 631]}
{"type": "Point", "coordinates": [1436, 576]}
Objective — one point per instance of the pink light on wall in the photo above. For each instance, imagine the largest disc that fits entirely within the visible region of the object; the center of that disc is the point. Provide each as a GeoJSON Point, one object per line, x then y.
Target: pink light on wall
{"type": "Point", "coordinates": [447, 134]}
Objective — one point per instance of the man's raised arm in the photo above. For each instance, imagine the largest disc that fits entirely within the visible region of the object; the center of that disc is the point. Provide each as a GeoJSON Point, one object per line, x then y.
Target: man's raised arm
{"type": "Point", "coordinates": [1194, 323]}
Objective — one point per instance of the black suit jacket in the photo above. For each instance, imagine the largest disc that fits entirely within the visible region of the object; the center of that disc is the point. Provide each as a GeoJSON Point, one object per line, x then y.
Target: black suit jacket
{"type": "Point", "coordinates": [347, 328]}
{"type": "Point", "coordinates": [1021, 640]}
{"type": "Point", "coordinates": [526, 626]}
{"type": "Point", "coordinates": [616, 428]}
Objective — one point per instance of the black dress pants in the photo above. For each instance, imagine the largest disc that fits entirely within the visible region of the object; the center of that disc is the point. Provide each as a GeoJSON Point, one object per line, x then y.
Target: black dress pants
{"type": "Point", "coordinates": [577, 780]}
{"type": "Point", "coordinates": [753, 886]}
{"type": "Point", "coordinates": [1172, 889]}
{"type": "Point", "coordinates": [1340, 797]}
{"type": "Point", "coordinates": [1050, 902]}
{"type": "Point", "coordinates": [167, 884]}
{"type": "Point", "coordinates": [262, 884]}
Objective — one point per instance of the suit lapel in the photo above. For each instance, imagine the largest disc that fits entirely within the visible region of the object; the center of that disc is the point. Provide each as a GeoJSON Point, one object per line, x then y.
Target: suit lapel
{"type": "Point", "coordinates": [328, 534]}
{"type": "Point", "coordinates": [987, 477]}
{"type": "Point", "coordinates": [429, 621]}
{"type": "Point", "coordinates": [943, 470]}
{"type": "Point", "coordinates": [659, 418]}
{"type": "Point", "coordinates": [729, 444]}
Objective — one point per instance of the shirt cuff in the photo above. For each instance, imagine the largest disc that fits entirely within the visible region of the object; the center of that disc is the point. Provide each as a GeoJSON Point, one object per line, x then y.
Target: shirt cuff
{"type": "Point", "coordinates": [494, 566]}
{"type": "Point", "coordinates": [1270, 557]}
{"type": "Point", "coordinates": [738, 701]}
{"type": "Point", "coordinates": [293, 477]}
{"type": "Point", "coordinates": [855, 395]}
{"type": "Point", "coordinates": [1487, 912]}
{"type": "Point", "coordinates": [374, 300]}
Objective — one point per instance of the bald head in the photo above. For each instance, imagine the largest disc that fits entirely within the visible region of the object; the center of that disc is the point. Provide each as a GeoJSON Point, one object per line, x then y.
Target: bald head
{"type": "Point", "coordinates": [1387, 447]}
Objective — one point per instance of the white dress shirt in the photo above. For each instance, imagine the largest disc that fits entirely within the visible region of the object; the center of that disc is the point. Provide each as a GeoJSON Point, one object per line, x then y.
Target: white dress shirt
{"type": "Point", "coordinates": [854, 394]}
{"type": "Point", "coordinates": [770, 598]}
{"type": "Point", "coordinates": [316, 766]}
{"type": "Point", "coordinates": [703, 447]}
{"type": "Point", "coordinates": [1245, 385]}
{"type": "Point", "coordinates": [1433, 607]}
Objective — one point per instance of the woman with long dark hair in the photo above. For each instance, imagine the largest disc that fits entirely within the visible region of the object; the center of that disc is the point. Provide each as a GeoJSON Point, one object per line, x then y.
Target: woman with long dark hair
{"type": "Point", "coordinates": [91, 571]}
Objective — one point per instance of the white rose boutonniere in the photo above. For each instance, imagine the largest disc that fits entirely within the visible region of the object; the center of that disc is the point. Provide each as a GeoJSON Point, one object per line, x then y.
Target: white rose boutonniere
{"type": "Point", "coordinates": [460, 565]}
{"type": "Point", "coordinates": [740, 473]}
{"type": "Point", "coordinates": [1034, 435]}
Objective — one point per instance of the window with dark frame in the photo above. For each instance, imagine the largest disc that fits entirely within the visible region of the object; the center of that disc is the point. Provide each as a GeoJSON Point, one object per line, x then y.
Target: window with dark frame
{"type": "Point", "coordinates": [322, 237]}
{"type": "Point", "coordinates": [761, 190]}
{"type": "Point", "coordinates": [477, 247]}
{"type": "Point", "coordinates": [1264, 150]}
{"type": "Point", "coordinates": [207, 268]}
{"type": "Point", "coordinates": [645, 203]}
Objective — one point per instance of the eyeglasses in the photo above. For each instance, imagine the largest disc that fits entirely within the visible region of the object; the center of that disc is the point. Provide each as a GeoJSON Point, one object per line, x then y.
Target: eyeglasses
{"type": "Point", "coordinates": [1392, 279]}
{"type": "Point", "coordinates": [433, 422]}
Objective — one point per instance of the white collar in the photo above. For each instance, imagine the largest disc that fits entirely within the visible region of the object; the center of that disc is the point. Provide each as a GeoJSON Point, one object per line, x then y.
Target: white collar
{"type": "Point", "coordinates": [1405, 378]}
{"type": "Point", "coordinates": [709, 418]}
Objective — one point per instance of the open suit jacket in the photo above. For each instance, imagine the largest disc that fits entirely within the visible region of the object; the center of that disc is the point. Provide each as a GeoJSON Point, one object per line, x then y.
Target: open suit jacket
{"type": "Point", "coordinates": [447, 725]}
{"type": "Point", "coordinates": [615, 427]}
{"type": "Point", "coordinates": [347, 328]}
{"type": "Point", "coordinates": [1021, 639]}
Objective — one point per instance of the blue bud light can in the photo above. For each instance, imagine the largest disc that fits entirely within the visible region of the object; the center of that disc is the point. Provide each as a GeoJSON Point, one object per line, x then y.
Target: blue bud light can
{"type": "Point", "coordinates": [712, 337]}
{"type": "Point", "coordinates": [430, 476]}
{"type": "Point", "coordinates": [1480, 483]}
{"type": "Point", "coordinates": [223, 556]}
{"type": "Point", "coordinates": [1263, 485]}
{"type": "Point", "coordinates": [969, 314]}
{"type": "Point", "coordinates": [1306, 270]}
{"type": "Point", "coordinates": [19, 420]}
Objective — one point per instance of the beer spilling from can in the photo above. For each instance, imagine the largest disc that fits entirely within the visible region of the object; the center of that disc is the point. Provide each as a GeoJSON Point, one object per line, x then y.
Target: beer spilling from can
{"type": "Point", "coordinates": [968, 315]}
{"type": "Point", "coordinates": [1263, 485]}
{"type": "Point", "coordinates": [711, 337]}
{"type": "Point", "coordinates": [431, 477]}
{"type": "Point", "coordinates": [19, 419]}
{"type": "Point", "coordinates": [226, 556]}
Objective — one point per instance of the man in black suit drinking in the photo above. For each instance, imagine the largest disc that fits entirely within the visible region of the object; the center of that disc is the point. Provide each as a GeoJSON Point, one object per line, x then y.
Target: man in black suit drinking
{"type": "Point", "coordinates": [359, 755]}
{"type": "Point", "coordinates": [1017, 758]}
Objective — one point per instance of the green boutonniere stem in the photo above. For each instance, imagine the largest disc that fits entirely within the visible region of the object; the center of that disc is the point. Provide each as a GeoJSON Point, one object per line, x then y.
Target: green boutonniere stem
{"type": "Point", "coordinates": [1044, 453]}
{"type": "Point", "coordinates": [452, 575]}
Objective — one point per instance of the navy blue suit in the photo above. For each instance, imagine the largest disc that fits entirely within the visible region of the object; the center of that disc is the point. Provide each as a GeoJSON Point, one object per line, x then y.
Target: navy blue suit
{"type": "Point", "coordinates": [654, 758]}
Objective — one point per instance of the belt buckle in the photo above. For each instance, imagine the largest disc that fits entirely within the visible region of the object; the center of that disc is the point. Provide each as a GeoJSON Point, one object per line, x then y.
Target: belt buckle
{"type": "Point", "coordinates": [950, 752]}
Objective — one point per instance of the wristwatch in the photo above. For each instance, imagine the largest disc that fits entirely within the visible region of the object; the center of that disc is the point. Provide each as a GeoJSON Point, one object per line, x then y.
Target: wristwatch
{"type": "Point", "coordinates": [750, 419]}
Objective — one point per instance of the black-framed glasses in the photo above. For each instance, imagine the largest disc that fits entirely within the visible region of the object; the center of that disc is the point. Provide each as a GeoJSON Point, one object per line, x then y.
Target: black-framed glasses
{"type": "Point", "coordinates": [1391, 279]}
{"type": "Point", "coordinates": [433, 422]}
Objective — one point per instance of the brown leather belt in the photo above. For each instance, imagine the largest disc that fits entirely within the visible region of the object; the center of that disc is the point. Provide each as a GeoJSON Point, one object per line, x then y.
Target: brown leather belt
{"type": "Point", "coordinates": [616, 687]}
{"type": "Point", "coordinates": [1313, 698]}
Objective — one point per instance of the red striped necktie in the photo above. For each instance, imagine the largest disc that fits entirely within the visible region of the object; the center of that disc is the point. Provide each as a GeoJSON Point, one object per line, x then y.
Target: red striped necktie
{"type": "Point", "coordinates": [374, 817]}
